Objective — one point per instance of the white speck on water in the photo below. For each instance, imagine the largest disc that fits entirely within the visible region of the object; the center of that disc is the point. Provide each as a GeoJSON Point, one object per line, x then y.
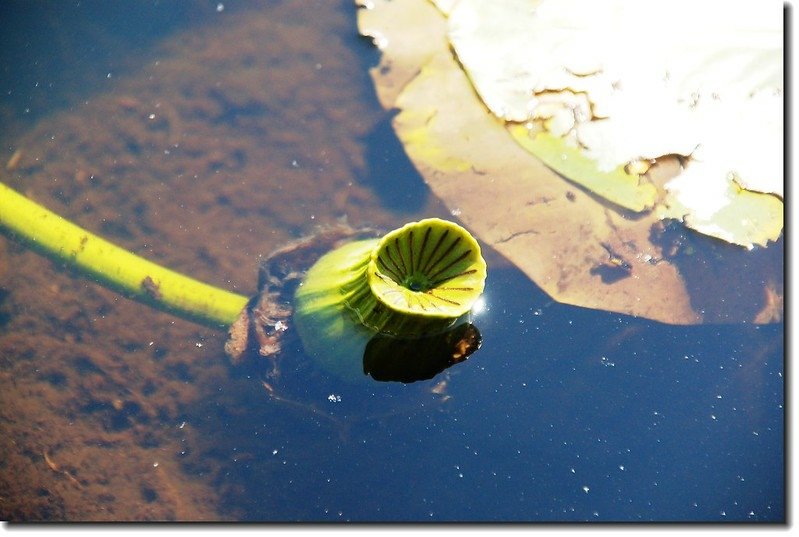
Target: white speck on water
{"type": "Point", "coordinates": [333, 398]}
{"type": "Point", "coordinates": [220, 7]}
{"type": "Point", "coordinates": [455, 212]}
{"type": "Point", "coordinates": [274, 452]}
{"type": "Point", "coordinates": [585, 489]}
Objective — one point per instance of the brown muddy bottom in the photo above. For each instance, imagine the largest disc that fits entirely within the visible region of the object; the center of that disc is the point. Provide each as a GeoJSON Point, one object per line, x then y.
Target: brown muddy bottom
{"type": "Point", "coordinates": [227, 140]}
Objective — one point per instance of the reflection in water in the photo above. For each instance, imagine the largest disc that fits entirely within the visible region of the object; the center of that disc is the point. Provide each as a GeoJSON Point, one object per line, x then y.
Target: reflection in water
{"type": "Point", "coordinates": [388, 358]}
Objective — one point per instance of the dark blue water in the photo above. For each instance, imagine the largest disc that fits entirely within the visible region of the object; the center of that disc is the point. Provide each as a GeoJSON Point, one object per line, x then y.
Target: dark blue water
{"type": "Point", "coordinates": [564, 414]}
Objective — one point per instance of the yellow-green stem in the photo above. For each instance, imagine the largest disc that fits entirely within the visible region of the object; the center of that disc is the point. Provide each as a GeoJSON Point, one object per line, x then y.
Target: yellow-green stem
{"type": "Point", "coordinates": [113, 266]}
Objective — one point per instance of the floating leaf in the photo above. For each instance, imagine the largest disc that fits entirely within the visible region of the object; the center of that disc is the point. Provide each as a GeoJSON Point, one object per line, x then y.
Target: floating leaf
{"type": "Point", "coordinates": [616, 185]}
{"type": "Point", "coordinates": [610, 90]}
{"type": "Point", "coordinates": [598, 244]}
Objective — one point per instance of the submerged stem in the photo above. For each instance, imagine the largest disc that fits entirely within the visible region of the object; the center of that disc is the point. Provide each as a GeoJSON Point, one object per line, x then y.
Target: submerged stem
{"type": "Point", "coordinates": [114, 267]}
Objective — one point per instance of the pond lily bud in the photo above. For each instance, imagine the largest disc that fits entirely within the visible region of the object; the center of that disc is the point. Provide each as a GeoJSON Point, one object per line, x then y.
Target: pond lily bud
{"type": "Point", "coordinates": [415, 281]}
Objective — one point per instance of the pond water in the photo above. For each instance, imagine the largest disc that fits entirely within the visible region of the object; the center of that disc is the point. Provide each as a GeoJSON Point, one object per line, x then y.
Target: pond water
{"type": "Point", "coordinates": [204, 135]}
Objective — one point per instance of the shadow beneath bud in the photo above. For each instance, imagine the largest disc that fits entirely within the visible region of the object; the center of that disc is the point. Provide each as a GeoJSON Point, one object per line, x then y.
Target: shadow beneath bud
{"type": "Point", "coordinates": [388, 358]}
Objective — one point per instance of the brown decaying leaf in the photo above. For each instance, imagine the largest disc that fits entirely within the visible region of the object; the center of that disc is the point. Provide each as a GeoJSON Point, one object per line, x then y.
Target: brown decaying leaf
{"type": "Point", "coordinates": [581, 250]}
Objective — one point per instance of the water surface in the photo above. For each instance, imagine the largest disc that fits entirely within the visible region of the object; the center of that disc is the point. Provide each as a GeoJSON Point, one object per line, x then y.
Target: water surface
{"type": "Point", "coordinates": [204, 135]}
